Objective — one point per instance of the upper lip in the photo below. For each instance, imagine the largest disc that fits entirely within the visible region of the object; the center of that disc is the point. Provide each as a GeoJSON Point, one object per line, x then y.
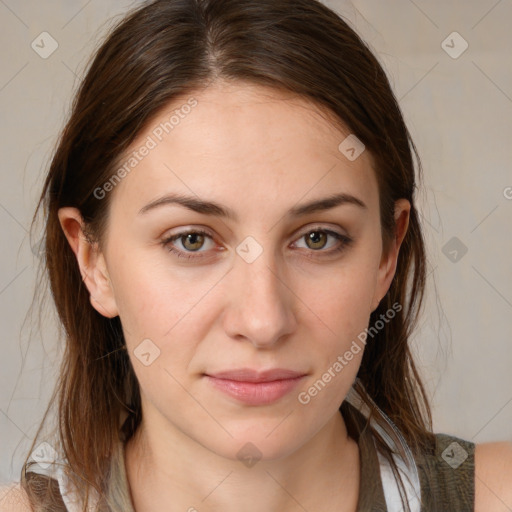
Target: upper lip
{"type": "Point", "coordinates": [250, 375]}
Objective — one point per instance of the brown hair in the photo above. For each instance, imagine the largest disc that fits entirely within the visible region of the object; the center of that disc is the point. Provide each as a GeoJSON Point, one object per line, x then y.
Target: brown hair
{"type": "Point", "coordinates": [174, 47]}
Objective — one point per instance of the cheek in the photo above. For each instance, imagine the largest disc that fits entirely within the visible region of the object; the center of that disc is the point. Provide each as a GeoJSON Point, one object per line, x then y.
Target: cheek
{"type": "Point", "coordinates": [164, 314]}
{"type": "Point", "coordinates": [338, 315]}
{"type": "Point", "coordinates": [154, 298]}
{"type": "Point", "coordinates": [337, 323]}
{"type": "Point", "coordinates": [341, 298]}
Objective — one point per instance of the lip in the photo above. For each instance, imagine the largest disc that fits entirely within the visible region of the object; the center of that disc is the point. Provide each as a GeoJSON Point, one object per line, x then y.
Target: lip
{"type": "Point", "coordinates": [256, 387]}
{"type": "Point", "coordinates": [250, 375]}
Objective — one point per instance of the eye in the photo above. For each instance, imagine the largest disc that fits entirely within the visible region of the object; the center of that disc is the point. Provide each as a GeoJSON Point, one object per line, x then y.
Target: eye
{"type": "Point", "coordinates": [317, 240]}
{"type": "Point", "coordinates": [191, 241]}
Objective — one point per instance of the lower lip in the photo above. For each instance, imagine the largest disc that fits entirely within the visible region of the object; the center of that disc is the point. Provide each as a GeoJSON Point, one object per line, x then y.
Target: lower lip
{"type": "Point", "coordinates": [256, 393]}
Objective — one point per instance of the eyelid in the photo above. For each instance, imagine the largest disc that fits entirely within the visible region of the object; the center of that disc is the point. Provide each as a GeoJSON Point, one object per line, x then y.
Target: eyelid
{"type": "Point", "coordinates": [187, 231]}
{"type": "Point", "coordinates": [318, 227]}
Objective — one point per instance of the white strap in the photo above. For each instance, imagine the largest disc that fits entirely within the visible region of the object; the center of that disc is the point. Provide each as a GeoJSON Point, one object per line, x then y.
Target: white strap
{"type": "Point", "coordinates": [406, 464]}
{"type": "Point", "coordinates": [390, 487]}
{"type": "Point", "coordinates": [70, 497]}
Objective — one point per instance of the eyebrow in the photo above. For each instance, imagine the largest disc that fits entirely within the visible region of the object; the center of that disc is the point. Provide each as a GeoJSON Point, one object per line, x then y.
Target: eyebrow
{"type": "Point", "coordinates": [212, 208]}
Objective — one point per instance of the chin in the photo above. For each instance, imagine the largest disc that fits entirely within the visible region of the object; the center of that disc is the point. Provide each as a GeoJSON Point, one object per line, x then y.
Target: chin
{"type": "Point", "coordinates": [262, 440]}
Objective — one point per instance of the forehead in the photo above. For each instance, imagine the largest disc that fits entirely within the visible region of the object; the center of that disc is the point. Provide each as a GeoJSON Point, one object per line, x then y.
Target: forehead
{"type": "Point", "coordinates": [233, 141]}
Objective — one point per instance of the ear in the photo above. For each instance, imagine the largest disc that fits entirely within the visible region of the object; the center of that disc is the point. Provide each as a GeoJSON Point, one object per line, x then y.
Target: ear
{"type": "Point", "coordinates": [387, 267]}
{"type": "Point", "coordinates": [90, 261]}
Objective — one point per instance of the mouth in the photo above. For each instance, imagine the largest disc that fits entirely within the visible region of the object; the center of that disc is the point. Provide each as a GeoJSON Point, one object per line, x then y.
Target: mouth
{"type": "Point", "coordinates": [254, 387]}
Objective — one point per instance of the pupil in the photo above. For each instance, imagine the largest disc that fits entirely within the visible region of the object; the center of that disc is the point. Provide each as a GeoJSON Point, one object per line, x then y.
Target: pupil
{"type": "Point", "coordinates": [316, 237]}
{"type": "Point", "coordinates": [192, 237]}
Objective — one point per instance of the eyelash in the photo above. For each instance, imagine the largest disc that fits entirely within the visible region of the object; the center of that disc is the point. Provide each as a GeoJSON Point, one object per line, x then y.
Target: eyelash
{"type": "Point", "coordinates": [345, 242]}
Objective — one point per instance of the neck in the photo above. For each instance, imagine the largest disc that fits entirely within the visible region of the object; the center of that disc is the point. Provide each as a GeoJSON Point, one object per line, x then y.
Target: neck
{"type": "Point", "coordinates": [167, 470]}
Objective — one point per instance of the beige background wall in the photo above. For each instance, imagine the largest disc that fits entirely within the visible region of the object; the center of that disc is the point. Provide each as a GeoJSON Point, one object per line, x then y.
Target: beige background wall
{"type": "Point", "coordinates": [459, 110]}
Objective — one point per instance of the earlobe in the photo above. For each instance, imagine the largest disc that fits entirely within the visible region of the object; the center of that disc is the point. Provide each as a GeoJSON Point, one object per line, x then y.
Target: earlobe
{"type": "Point", "coordinates": [90, 260]}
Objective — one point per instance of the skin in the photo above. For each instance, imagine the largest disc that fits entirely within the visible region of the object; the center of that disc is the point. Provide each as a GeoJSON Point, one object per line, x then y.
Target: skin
{"type": "Point", "coordinates": [260, 153]}
{"type": "Point", "coordinates": [493, 477]}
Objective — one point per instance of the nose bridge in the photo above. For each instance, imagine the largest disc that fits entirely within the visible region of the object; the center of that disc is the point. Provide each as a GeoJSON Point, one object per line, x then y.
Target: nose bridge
{"type": "Point", "coordinates": [261, 309]}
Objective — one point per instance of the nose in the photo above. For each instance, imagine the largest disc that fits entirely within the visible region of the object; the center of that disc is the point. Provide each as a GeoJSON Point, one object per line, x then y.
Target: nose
{"type": "Point", "coordinates": [261, 303]}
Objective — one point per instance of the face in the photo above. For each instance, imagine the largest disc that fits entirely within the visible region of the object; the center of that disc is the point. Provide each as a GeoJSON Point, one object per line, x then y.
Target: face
{"type": "Point", "coordinates": [245, 275]}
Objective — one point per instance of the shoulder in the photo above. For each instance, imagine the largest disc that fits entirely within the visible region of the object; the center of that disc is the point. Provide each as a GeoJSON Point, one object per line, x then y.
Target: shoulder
{"type": "Point", "coordinates": [493, 477]}
{"type": "Point", "coordinates": [447, 474]}
{"type": "Point", "coordinates": [14, 499]}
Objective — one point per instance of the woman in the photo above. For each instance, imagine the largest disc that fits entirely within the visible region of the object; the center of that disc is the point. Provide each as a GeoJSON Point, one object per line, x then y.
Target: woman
{"type": "Point", "coordinates": [234, 251]}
